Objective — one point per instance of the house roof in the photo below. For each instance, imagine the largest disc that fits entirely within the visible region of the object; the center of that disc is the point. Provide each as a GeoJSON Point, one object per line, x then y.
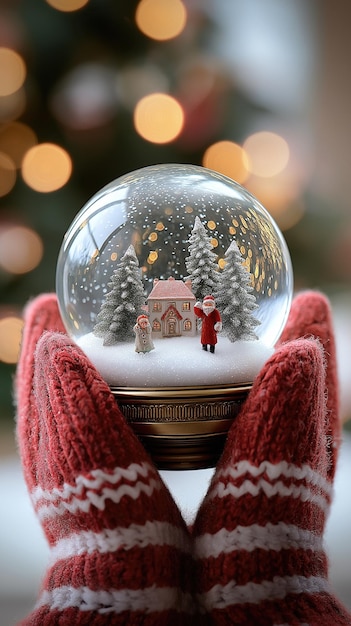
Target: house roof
{"type": "Point", "coordinates": [171, 309]}
{"type": "Point", "coordinates": [171, 288]}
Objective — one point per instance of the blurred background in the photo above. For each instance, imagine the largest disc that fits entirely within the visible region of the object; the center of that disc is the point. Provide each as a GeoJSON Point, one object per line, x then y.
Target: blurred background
{"type": "Point", "coordinates": [91, 89]}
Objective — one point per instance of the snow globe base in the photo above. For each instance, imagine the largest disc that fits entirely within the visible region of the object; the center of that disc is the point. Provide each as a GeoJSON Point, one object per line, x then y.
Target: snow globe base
{"type": "Point", "coordinates": [182, 428]}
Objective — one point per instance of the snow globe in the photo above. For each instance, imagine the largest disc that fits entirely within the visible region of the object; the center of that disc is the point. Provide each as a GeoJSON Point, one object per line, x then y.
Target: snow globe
{"type": "Point", "coordinates": [176, 283]}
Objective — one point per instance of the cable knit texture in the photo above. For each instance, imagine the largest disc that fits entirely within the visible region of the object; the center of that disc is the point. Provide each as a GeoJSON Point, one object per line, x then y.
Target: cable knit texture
{"type": "Point", "coordinates": [119, 546]}
{"type": "Point", "coordinates": [120, 550]}
{"type": "Point", "coordinates": [258, 536]}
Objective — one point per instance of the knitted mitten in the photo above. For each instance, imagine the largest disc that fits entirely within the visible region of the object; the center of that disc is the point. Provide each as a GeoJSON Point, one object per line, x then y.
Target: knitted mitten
{"type": "Point", "coordinates": [258, 536]}
{"type": "Point", "coordinates": [119, 546]}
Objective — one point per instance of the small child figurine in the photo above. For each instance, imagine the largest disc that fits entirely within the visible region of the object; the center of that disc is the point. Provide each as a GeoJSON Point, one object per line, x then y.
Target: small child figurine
{"type": "Point", "coordinates": [211, 322]}
{"type": "Point", "coordinates": [142, 329]}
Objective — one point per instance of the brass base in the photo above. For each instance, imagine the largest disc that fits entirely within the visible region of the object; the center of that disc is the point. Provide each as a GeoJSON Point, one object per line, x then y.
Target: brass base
{"type": "Point", "coordinates": [182, 427]}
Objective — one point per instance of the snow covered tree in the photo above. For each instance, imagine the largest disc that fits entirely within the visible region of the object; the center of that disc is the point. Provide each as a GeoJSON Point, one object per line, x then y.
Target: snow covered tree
{"type": "Point", "coordinates": [123, 303]}
{"type": "Point", "coordinates": [201, 262]}
{"type": "Point", "coordinates": [234, 298]}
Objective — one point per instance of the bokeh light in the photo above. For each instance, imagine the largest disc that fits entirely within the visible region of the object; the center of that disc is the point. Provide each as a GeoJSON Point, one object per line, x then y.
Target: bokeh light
{"type": "Point", "coordinates": [228, 158]}
{"type": "Point", "coordinates": [21, 249]}
{"type": "Point", "coordinates": [159, 118]}
{"type": "Point", "coordinates": [46, 167]}
{"type": "Point", "coordinates": [12, 106]}
{"type": "Point", "coordinates": [280, 196]}
{"type": "Point", "coordinates": [67, 5]}
{"type": "Point", "coordinates": [12, 71]}
{"type": "Point", "coordinates": [16, 139]}
{"type": "Point", "coordinates": [7, 174]}
{"type": "Point", "coordinates": [161, 20]}
{"type": "Point", "coordinates": [86, 98]}
{"type": "Point", "coordinates": [11, 328]}
{"type": "Point", "coordinates": [268, 153]}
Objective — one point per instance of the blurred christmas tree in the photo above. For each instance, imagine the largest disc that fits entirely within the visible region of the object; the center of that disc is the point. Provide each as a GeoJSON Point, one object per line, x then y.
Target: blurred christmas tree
{"type": "Point", "coordinates": [87, 95]}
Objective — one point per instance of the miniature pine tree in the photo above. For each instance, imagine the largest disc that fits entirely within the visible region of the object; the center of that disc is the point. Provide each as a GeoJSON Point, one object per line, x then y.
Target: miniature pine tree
{"type": "Point", "coordinates": [234, 298]}
{"type": "Point", "coordinates": [201, 262]}
{"type": "Point", "coordinates": [123, 303]}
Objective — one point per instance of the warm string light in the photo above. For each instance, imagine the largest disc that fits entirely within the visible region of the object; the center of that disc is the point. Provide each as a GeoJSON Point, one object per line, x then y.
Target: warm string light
{"type": "Point", "coordinates": [161, 20]}
{"type": "Point", "coordinates": [263, 165]}
{"type": "Point", "coordinates": [268, 154]}
{"type": "Point", "coordinates": [12, 106]}
{"type": "Point", "coordinates": [227, 158]}
{"type": "Point", "coordinates": [13, 74]}
{"type": "Point", "coordinates": [21, 249]}
{"type": "Point", "coordinates": [46, 167]}
{"type": "Point", "coordinates": [11, 328]}
{"type": "Point", "coordinates": [67, 6]}
{"type": "Point", "coordinates": [279, 195]}
{"type": "Point", "coordinates": [159, 118]}
{"type": "Point", "coordinates": [7, 174]}
{"type": "Point", "coordinates": [16, 138]}
{"type": "Point", "coordinates": [12, 71]}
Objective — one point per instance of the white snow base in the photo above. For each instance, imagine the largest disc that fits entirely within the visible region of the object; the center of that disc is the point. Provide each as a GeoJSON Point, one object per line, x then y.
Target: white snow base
{"type": "Point", "coordinates": [176, 361]}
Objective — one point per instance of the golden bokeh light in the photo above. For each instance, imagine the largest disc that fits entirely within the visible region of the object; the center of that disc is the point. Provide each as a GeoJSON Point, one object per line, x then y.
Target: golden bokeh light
{"type": "Point", "coordinates": [153, 256]}
{"type": "Point", "coordinates": [12, 71]}
{"type": "Point", "coordinates": [268, 154]}
{"type": "Point", "coordinates": [16, 139]}
{"type": "Point", "coordinates": [7, 174]}
{"type": "Point", "coordinates": [46, 167]}
{"type": "Point", "coordinates": [160, 19]}
{"type": "Point", "coordinates": [21, 249]}
{"type": "Point", "coordinates": [11, 328]}
{"type": "Point", "coordinates": [67, 5]}
{"type": "Point", "coordinates": [229, 159]}
{"type": "Point", "coordinates": [12, 106]}
{"type": "Point", "coordinates": [280, 196]}
{"type": "Point", "coordinates": [158, 118]}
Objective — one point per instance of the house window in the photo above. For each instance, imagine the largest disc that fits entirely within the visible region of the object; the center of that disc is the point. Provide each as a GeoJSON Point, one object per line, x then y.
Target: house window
{"type": "Point", "coordinates": [186, 306]}
{"type": "Point", "coordinates": [157, 306]}
{"type": "Point", "coordinates": [156, 326]}
{"type": "Point", "coordinates": [187, 325]}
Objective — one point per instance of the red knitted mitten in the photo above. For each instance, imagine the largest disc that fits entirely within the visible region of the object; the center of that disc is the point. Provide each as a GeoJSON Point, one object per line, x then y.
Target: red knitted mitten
{"type": "Point", "coordinates": [258, 536]}
{"type": "Point", "coordinates": [120, 550]}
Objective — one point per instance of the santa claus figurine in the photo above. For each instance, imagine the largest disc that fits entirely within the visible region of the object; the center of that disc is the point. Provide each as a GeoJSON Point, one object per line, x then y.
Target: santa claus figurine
{"type": "Point", "coordinates": [211, 322]}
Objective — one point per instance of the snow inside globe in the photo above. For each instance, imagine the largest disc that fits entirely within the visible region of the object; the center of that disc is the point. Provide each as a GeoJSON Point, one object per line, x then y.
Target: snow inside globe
{"type": "Point", "coordinates": [176, 283]}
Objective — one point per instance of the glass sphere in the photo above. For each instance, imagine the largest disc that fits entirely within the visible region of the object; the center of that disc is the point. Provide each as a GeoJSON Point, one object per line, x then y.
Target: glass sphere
{"type": "Point", "coordinates": [153, 249]}
{"type": "Point", "coordinates": [154, 209]}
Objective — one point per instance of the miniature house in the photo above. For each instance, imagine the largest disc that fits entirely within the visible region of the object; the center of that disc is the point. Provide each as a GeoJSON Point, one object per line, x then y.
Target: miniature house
{"type": "Point", "coordinates": [171, 308]}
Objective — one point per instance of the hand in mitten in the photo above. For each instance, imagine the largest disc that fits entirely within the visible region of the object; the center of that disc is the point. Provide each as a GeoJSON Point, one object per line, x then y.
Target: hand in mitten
{"type": "Point", "coordinates": [119, 547]}
{"type": "Point", "coordinates": [258, 535]}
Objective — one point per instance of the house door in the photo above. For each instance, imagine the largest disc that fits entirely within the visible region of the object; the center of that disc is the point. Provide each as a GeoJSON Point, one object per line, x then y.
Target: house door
{"type": "Point", "coordinates": [172, 326]}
